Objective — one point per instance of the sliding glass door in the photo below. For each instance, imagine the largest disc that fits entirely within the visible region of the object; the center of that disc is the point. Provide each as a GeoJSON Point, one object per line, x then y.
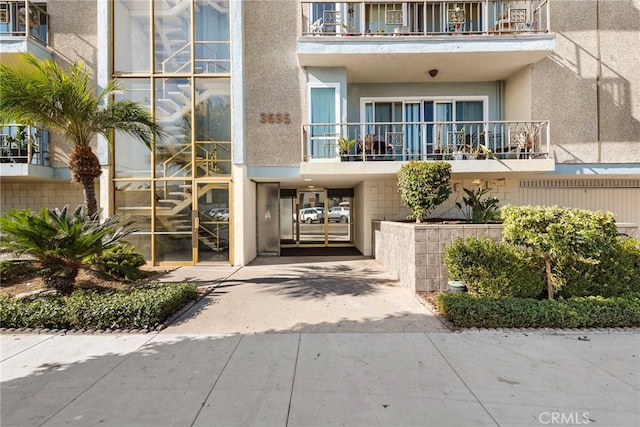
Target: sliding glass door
{"type": "Point", "coordinates": [324, 131]}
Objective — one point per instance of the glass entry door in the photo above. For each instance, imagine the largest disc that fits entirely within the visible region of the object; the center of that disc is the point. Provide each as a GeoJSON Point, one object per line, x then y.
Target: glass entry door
{"type": "Point", "coordinates": [320, 217]}
{"type": "Point", "coordinates": [309, 226]}
{"type": "Point", "coordinates": [211, 237]}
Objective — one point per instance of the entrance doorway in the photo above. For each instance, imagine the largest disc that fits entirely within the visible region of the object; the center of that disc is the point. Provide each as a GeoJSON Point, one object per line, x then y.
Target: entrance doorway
{"type": "Point", "coordinates": [316, 218]}
{"type": "Point", "coordinates": [211, 236]}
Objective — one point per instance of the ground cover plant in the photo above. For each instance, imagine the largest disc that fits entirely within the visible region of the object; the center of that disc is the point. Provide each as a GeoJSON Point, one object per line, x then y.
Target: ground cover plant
{"type": "Point", "coordinates": [555, 268]}
{"type": "Point", "coordinates": [143, 307]}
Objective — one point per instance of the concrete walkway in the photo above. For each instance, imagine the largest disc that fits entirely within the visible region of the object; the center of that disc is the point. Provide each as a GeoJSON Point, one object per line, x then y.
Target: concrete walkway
{"type": "Point", "coordinates": [313, 373]}
{"type": "Point", "coordinates": [297, 294]}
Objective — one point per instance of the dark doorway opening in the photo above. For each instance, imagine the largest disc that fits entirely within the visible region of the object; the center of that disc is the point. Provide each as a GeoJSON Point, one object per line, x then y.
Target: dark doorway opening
{"type": "Point", "coordinates": [320, 251]}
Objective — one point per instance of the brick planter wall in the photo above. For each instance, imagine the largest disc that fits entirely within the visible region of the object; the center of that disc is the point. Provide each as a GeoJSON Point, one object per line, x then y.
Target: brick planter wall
{"type": "Point", "coordinates": [414, 253]}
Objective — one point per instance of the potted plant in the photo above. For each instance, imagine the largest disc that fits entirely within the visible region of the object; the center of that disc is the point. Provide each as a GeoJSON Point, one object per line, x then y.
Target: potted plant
{"type": "Point", "coordinates": [18, 145]}
{"type": "Point", "coordinates": [344, 146]}
{"type": "Point", "coordinates": [482, 152]}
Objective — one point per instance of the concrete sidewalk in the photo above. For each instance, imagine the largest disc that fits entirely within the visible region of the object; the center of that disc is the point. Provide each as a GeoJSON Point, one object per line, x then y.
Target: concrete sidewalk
{"type": "Point", "coordinates": [298, 342]}
{"type": "Point", "coordinates": [350, 379]}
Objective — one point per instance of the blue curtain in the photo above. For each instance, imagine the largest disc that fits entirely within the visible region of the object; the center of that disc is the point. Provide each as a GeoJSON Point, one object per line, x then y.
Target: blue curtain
{"type": "Point", "coordinates": [323, 110]}
{"type": "Point", "coordinates": [412, 133]}
{"type": "Point", "coordinates": [470, 111]}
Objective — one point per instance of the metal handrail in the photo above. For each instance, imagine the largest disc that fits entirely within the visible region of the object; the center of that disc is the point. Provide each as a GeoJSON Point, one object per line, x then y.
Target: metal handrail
{"type": "Point", "coordinates": [24, 144]}
{"type": "Point", "coordinates": [401, 141]}
{"type": "Point", "coordinates": [424, 18]}
{"type": "Point", "coordinates": [17, 21]}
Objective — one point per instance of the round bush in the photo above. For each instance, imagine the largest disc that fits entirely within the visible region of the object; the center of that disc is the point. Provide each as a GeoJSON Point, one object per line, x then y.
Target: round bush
{"type": "Point", "coordinates": [493, 269]}
{"type": "Point", "coordinates": [615, 272]}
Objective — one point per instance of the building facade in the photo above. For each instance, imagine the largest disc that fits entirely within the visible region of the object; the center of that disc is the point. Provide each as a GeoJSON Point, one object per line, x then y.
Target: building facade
{"type": "Point", "coordinates": [279, 109]}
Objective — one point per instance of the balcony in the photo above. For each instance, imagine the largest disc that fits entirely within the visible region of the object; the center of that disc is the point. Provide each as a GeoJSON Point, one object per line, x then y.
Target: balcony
{"type": "Point", "coordinates": [24, 152]}
{"type": "Point", "coordinates": [478, 40]}
{"type": "Point", "coordinates": [492, 146]}
{"type": "Point", "coordinates": [24, 32]}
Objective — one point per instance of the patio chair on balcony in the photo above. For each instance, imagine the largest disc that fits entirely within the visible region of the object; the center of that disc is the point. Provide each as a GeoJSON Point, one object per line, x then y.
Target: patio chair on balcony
{"type": "Point", "coordinates": [331, 21]}
{"type": "Point", "coordinates": [317, 26]}
{"type": "Point", "coordinates": [373, 146]}
{"type": "Point", "coordinates": [456, 20]}
{"type": "Point", "coordinates": [395, 144]}
{"type": "Point", "coordinates": [512, 21]}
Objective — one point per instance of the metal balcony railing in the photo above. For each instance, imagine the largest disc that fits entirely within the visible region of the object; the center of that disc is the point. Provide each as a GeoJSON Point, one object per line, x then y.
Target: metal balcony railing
{"type": "Point", "coordinates": [404, 141]}
{"type": "Point", "coordinates": [24, 144]}
{"type": "Point", "coordinates": [16, 22]}
{"type": "Point", "coordinates": [424, 18]}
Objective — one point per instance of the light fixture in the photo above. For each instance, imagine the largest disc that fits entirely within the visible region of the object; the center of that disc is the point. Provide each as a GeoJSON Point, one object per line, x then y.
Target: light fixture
{"type": "Point", "coordinates": [433, 72]}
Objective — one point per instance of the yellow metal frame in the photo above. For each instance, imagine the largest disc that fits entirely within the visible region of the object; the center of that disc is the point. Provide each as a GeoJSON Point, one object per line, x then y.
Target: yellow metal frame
{"type": "Point", "coordinates": [191, 75]}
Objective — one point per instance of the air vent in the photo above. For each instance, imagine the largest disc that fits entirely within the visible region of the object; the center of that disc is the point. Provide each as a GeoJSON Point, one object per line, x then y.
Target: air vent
{"type": "Point", "coordinates": [581, 183]}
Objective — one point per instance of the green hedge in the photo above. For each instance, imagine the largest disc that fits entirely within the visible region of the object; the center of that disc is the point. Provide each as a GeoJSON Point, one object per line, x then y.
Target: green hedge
{"type": "Point", "coordinates": [140, 308]}
{"type": "Point", "coordinates": [615, 272]}
{"type": "Point", "coordinates": [465, 310]}
{"type": "Point", "coordinates": [495, 269]}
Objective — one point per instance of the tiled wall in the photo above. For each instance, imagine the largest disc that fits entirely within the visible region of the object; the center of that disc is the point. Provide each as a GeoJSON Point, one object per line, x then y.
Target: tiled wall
{"type": "Point", "coordinates": [414, 253]}
{"type": "Point", "coordinates": [382, 202]}
{"type": "Point", "coordinates": [38, 195]}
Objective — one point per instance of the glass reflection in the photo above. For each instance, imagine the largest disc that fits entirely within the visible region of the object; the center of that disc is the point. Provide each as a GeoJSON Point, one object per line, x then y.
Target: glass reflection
{"type": "Point", "coordinates": [172, 36]}
{"type": "Point", "coordinates": [173, 114]}
{"type": "Point", "coordinates": [132, 157]}
{"type": "Point", "coordinates": [213, 127]}
{"type": "Point", "coordinates": [132, 43]}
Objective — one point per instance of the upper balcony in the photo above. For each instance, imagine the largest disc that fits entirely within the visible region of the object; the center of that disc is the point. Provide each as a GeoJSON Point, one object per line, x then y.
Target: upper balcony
{"type": "Point", "coordinates": [24, 152]}
{"type": "Point", "coordinates": [374, 148]}
{"type": "Point", "coordinates": [479, 40]}
{"type": "Point", "coordinates": [24, 32]}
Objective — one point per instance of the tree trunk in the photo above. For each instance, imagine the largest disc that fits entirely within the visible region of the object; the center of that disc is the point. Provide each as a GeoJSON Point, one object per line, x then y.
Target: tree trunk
{"type": "Point", "coordinates": [89, 193]}
{"type": "Point", "coordinates": [549, 274]}
{"type": "Point", "coordinates": [59, 277]}
{"type": "Point", "coordinates": [85, 168]}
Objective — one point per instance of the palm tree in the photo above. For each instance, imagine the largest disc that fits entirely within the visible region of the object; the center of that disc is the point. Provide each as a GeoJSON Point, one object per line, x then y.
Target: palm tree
{"type": "Point", "coordinates": [41, 92]}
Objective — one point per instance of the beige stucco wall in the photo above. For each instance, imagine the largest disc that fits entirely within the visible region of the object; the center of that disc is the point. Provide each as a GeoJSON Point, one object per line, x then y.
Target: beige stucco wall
{"type": "Point", "coordinates": [37, 195]}
{"type": "Point", "coordinates": [244, 228]}
{"type": "Point", "coordinates": [620, 81]}
{"type": "Point", "coordinates": [73, 38]}
{"type": "Point", "coordinates": [565, 85]}
{"type": "Point", "coordinates": [517, 96]}
{"type": "Point", "coordinates": [273, 82]}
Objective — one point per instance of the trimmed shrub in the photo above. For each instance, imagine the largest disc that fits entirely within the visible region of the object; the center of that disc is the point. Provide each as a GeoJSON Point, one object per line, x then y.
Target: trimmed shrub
{"type": "Point", "coordinates": [423, 186]}
{"type": "Point", "coordinates": [555, 233]}
{"type": "Point", "coordinates": [466, 311]}
{"type": "Point", "coordinates": [494, 269]}
{"type": "Point", "coordinates": [140, 308]}
{"type": "Point", "coordinates": [615, 272]}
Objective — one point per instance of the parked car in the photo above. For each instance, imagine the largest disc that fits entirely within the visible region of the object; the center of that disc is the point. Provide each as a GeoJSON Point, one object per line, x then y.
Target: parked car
{"type": "Point", "coordinates": [339, 214]}
{"type": "Point", "coordinates": [309, 215]}
{"type": "Point", "coordinates": [219, 214]}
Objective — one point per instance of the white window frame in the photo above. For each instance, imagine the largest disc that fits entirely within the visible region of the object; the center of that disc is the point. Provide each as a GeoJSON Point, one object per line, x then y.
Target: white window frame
{"type": "Point", "coordinates": [337, 107]}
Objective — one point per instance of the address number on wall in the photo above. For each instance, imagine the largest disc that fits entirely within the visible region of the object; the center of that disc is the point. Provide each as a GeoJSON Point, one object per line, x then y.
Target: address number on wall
{"type": "Point", "coordinates": [275, 118]}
